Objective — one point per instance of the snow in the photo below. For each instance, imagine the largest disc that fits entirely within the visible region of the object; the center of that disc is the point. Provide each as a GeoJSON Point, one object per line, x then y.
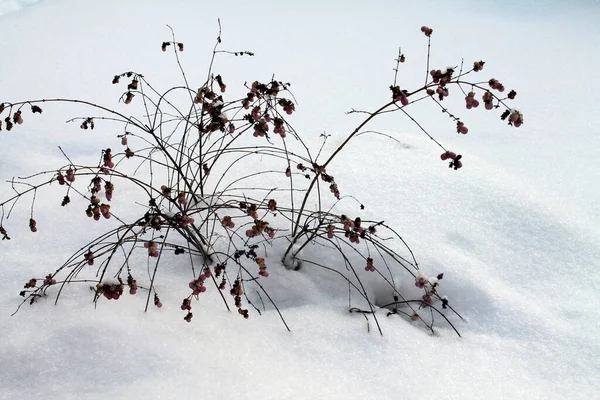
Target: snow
{"type": "Point", "coordinates": [8, 6]}
{"type": "Point", "coordinates": [515, 231]}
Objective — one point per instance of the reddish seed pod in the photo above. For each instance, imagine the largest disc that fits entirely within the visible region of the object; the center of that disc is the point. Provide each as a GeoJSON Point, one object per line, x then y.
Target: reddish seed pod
{"type": "Point", "coordinates": [426, 30]}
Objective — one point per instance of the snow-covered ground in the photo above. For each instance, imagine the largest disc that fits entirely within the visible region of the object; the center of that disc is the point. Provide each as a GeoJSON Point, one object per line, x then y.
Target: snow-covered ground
{"type": "Point", "coordinates": [516, 231]}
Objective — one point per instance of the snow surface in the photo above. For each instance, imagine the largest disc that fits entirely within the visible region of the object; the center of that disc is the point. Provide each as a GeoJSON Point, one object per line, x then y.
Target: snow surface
{"type": "Point", "coordinates": [516, 231]}
{"type": "Point", "coordinates": [8, 6]}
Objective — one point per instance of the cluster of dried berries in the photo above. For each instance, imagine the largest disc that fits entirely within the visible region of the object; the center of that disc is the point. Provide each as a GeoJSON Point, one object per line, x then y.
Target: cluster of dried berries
{"type": "Point", "coordinates": [152, 248]}
{"type": "Point", "coordinates": [494, 84]}
{"type": "Point", "coordinates": [250, 253]}
{"type": "Point", "coordinates": [353, 229]}
{"type": "Point", "coordinates": [32, 225]}
{"type": "Point", "coordinates": [442, 92]}
{"type": "Point", "coordinates": [259, 228]}
{"type": "Point", "coordinates": [206, 93]}
{"type": "Point", "coordinates": [105, 210]}
{"type": "Point", "coordinates": [426, 30]}
{"type": "Point", "coordinates": [188, 317]}
{"type": "Point", "coordinates": [70, 175]}
{"type": "Point", "coordinates": [107, 157]}
{"type": "Point", "coordinates": [218, 119]}
{"type": "Point", "coordinates": [261, 128]}
{"type": "Point", "coordinates": [197, 285]}
{"type": "Point", "coordinates": [49, 280]}
{"type": "Point", "coordinates": [9, 124]}
{"type": "Point", "coordinates": [330, 231]}
{"type": "Point", "coordinates": [227, 222]}
{"type": "Point", "coordinates": [96, 210]}
{"type": "Point", "coordinates": [261, 120]}
{"type": "Point", "coordinates": [333, 188]}
{"type": "Point", "coordinates": [96, 185]}
{"type": "Point", "coordinates": [478, 65]}
{"type": "Point", "coordinates": [255, 114]}
{"type": "Point", "coordinates": [488, 100]}
{"type": "Point", "coordinates": [89, 257]}
{"type": "Point", "coordinates": [279, 127]}
{"type": "Point", "coordinates": [442, 77]}
{"type": "Point", "coordinates": [250, 209]}
{"type": "Point", "coordinates": [157, 301]}
{"type": "Point", "coordinates": [88, 123]}
{"type": "Point", "coordinates": [471, 101]}
{"type": "Point", "coordinates": [154, 221]}
{"type": "Point", "coordinates": [166, 191]}
{"type": "Point", "coordinates": [262, 266]}
{"type": "Point", "coordinates": [185, 220]}
{"type": "Point", "coordinates": [17, 116]}
{"type": "Point", "coordinates": [219, 268]}
{"type": "Point", "coordinates": [370, 267]}
{"type": "Point", "coordinates": [108, 190]}
{"type": "Point", "coordinates": [31, 284]}
{"type": "Point", "coordinates": [421, 280]}
{"type": "Point", "coordinates": [455, 161]}
{"type": "Point", "coordinates": [112, 291]}
{"type": "Point", "coordinates": [399, 95]}
{"type": "Point", "coordinates": [222, 86]}
{"type": "Point", "coordinates": [461, 128]}
{"type": "Point", "coordinates": [66, 200]}
{"type": "Point", "coordinates": [186, 305]}
{"type": "Point", "coordinates": [132, 283]}
{"type": "Point", "coordinates": [288, 106]}
{"type": "Point", "coordinates": [272, 205]}
{"type": "Point", "coordinates": [237, 291]}
{"type": "Point", "coordinates": [269, 89]}
{"type": "Point", "coordinates": [515, 118]}
{"type": "Point", "coordinates": [164, 45]}
{"type": "Point", "coordinates": [129, 97]}
{"type": "Point", "coordinates": [4, 233]}
{"type": "Point", "coordinates": [133, 85]}
{"type": "Point", "coordinates": [427, 299]}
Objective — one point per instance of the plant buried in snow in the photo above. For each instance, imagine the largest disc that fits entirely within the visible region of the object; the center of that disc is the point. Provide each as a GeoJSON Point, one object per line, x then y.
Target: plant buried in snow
{"type": "Point", "coordinates": [201, 137]}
